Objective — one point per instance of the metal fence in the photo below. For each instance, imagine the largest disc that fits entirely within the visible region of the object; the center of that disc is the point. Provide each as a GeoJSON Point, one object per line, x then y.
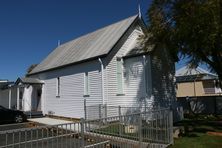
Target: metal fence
{"type": "Point", "coordinates": [103, 111]}
{"type": "Point", "coordinates": [142, 130]}
{"type": "Point", "coordinates": [43, 136]}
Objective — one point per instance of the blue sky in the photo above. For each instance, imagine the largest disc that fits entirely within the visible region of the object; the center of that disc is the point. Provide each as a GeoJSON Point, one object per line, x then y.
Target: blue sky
{"type": "Point", "coordinates": [30, 29]}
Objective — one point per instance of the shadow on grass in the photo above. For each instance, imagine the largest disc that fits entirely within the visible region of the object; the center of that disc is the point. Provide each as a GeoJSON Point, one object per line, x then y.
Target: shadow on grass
{"type": "Point", "coordinates": [194, 127]}
{"type": "Point", "coordinates": [203, 130]}
{"type": "Point", "coordinates": [208, 125]}
{"type": "Point", "coordinates": [194, 133]}
{"type": "Point", "coordinates": [191, 135]}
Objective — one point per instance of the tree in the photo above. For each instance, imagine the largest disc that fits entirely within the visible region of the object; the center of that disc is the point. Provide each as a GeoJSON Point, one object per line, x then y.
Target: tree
{"type": "Point", "coordinates": [190, 29]}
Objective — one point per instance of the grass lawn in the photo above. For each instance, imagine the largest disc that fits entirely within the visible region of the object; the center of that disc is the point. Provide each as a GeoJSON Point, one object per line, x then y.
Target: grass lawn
{"type": "Point", "coordinates": [200, 141]}
{"type": "Point", "coordinates": [149, 132]}
{"type": "Point", "coordinates": [196, 136]}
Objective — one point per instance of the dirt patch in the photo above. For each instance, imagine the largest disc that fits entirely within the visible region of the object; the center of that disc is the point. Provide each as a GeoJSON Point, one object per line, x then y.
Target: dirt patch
{"type": "Point", "coordinates": [215, 133]}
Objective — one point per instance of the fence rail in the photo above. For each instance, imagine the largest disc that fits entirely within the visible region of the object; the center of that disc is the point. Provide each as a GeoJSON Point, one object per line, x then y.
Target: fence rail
{"type": "Point", "coordinates": [103, 110]}
{"type": "Point", "coordinates": [146, 129]}
{"type": "Point", "coordinates": [150, 126]}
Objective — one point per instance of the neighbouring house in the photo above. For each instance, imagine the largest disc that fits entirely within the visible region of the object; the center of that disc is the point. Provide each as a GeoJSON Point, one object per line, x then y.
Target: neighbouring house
{"type": "Point", "coordinates": [4, 83]}
{"type": "Point", "coordinates": [24, 94]}
{"type": "Point", "coordinates": [199, 89]}
{"type": "Point", "coordinates": [5, 94]}
{"type": "Point", "coordinates": [107, 66]}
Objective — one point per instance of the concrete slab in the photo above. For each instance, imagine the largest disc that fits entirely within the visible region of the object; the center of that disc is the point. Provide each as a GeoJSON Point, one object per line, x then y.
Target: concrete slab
{"type": "Point", "coordinates": [49, 121]}
{"type": "Point", "coordinates": [63, 124]}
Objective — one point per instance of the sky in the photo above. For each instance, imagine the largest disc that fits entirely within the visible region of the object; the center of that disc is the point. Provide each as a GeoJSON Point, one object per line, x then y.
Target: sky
{"type": "Point", "coordinates": [30, 29]}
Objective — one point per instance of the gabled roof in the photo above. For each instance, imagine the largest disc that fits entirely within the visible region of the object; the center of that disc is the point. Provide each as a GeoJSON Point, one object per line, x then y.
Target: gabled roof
{"type": "Point", "coordinates": [28, 81]}
{"type": "Point", "coordinates": [96, 44]}
{"type": "Point", "coordinates": [187, 71]}
{"type": "Point", "coordinates": [190, 74]}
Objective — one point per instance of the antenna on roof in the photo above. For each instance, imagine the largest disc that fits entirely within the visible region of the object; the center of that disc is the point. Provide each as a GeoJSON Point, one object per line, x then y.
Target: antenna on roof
{"type": "Point", "coordinates": [58, 43]}
{"type": "Point", "coordinates": [139, 11]}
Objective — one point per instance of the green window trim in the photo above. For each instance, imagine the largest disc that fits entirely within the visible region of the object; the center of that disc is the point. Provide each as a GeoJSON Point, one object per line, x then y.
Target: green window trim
{"type": "Point", "coordinates": [86, 84]}
{"type": "Point", "coordinates": [58, 87]}
{"type": "Point", "coordinates": [119, 76]}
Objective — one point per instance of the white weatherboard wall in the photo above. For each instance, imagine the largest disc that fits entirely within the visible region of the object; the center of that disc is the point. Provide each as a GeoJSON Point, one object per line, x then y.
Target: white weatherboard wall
{"type": "Point", "coordinates": [163, 71]}
{"type": "Point", "coordinates": [4, 98]}
{"type": "Point", "coordinates": [27, 103]}
{"type": "Point", "coordinates": [134, 87]}
{"type": "Point", "coordinates": [14, 97]}
{"type": "Point", "coordinates": [5, 95]}
{"type": "Point", "coordinates": [134, 82]}
{"type": "Point", "coordinates": [70, 103]}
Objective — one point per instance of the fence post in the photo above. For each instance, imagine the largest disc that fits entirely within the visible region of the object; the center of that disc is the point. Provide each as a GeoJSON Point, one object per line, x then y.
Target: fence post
{"type": "Point", "coordinates": [100, 107]}
{"type": "Point", "coordinates": [145, 108]}
{"type": "Point", "coordinates": [171, 127]}
{"type": "Point", "coordinates": [85, 111]}
{"type": "Point", "coordinates": [140, 130]}
{"type": "Point", "coordinates": [181, 113]}
{"type": "Point", "coordinates": [119, 110]}
{"type": "Point", "coordinates": [82, 121]}
{"type": "Point", "coordinates": [120, 122]}
{"type": "Point", "coordinates": [105, 105]}
{"type": "Point", "coordinates": [105, 110]}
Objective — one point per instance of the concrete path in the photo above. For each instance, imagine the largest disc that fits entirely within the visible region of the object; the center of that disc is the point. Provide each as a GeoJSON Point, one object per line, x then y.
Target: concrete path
{"type": "Point", "coordinates": [49, 121]}
{"type": "Point", "coordinates": [64, 124]}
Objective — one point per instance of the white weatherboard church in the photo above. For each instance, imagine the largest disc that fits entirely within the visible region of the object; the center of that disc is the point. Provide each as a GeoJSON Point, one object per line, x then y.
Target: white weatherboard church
{"type": "Point", "coordinates": [107, 66]}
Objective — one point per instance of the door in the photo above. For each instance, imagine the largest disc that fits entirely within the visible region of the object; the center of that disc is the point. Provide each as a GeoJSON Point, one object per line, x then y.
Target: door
{"type": "Point", "coordinates": [20, 100]}
{"type": "Point", "coordinates": [38, 103]}
{"type": "Point", "coordinates": [36, 99]}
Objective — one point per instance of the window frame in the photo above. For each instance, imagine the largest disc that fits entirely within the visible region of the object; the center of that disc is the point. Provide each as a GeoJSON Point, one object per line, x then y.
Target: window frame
{"type": "Point", "coordinates": [58, 87]}
{"type": "Point", "coordinates": [86, 85]}
{"type": "Point", "coordinates": [119, 76]}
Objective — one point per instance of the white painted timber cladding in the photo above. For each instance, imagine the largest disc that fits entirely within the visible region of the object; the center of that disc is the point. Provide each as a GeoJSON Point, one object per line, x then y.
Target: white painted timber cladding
{"type": "Point", "coordinates": [4, 98]}
{"type": "Point", "coordinates": [70, 103]}
{"type": "Point", "coordinates": [134, 86]}
{"type": "Point", "coordinates": [163, 71]}
{"type": "Point", "coordinates": [71, 100]}
{"type": "Point", "coordinates": [14, 97]}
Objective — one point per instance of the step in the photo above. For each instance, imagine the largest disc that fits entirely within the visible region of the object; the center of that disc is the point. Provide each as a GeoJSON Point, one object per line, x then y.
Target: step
{"type": "Point", "coordinates": [34, 114]}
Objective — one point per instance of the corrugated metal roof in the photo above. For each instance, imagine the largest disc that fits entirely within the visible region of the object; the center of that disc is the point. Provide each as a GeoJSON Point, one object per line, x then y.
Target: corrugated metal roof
{"type": "Point", "coordinates": [89, 46]}
{"type": "Point", "coordinates": [190, 74]}
{"type": "Point", "coordinates": [29, 81]}
{"type": "Point", "coordinates": [186, 71]}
